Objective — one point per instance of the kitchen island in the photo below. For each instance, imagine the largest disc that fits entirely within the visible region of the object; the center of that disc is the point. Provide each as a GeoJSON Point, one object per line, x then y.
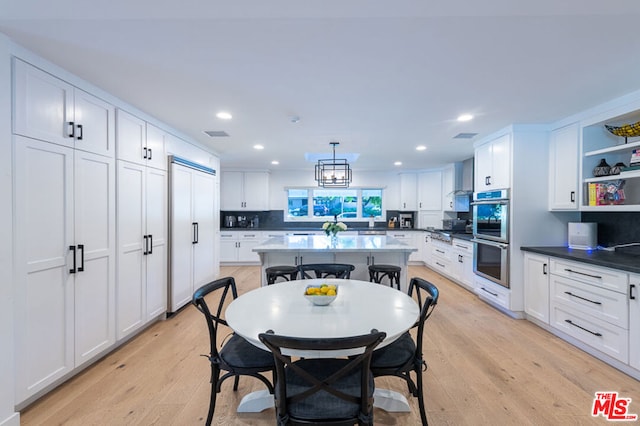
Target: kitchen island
{"type": "Point", "coordinates": [357, 250]}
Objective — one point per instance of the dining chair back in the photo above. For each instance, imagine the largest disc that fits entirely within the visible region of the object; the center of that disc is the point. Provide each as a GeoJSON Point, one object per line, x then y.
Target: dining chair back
{"type": "Point", "coordinates": [404, 355]}
{"type": "Point", "coordinates": [325, 270]}
{"type": "Point", "coordinates": [237, 356]}
{"type": "Point", "coordinates": [336, 391]}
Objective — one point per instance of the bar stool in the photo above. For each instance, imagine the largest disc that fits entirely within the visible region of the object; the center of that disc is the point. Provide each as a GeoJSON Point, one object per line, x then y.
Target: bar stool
{"type": "Point", "coordinates": [289, 273]}
{"type": "Point", "coordinates": [378, 272]}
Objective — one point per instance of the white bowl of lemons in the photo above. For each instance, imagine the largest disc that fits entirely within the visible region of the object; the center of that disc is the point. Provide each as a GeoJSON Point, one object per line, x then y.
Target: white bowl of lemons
{"type": "Point", "coordinates": [321, 295]}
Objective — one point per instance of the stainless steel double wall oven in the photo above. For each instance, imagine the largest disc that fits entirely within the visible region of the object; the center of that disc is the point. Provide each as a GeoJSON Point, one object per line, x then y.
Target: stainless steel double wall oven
{"type": "Point", "coordinates": [491, 235]}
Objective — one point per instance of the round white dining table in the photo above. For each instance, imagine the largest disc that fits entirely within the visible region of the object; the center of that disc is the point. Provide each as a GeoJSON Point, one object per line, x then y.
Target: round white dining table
{"type": "Point", "coordinates": [359, 307]}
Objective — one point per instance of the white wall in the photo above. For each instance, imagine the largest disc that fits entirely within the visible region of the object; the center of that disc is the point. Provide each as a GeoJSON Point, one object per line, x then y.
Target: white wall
{"type": "Point", "coordinates": [7, 414]}
{"type": "Point", "coordinates": [279, 180]}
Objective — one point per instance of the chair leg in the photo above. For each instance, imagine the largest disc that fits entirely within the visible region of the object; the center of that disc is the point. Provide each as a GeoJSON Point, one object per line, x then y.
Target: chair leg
{"type": "Point", "coordinates": [423, 411]}
{"type": "Point", "coordinates": [235, 382]}
{"type": "Point", "coordinates": [215, 375]}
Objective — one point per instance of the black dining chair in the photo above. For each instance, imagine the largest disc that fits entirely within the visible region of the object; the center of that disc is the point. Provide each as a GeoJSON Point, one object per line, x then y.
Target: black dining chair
{"type": "Point", "coordinates": [317, 391]}
{"type": "Point", "coordinates": [404, 355]}
{"type": "Point", "coordinates": [237, 356]}
{"type": "Point", "coordinates": [325, 270]}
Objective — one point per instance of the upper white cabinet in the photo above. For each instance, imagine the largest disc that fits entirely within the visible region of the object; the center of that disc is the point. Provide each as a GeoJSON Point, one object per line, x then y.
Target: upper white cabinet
{"type": "Point", "coordinates": [451, 183]}
{"type": "Point", "coordinates": [430, 190]}
{"type": "Point", "coordinates": [244, 191]}
{"type": "Point", "coordinates": [408, 191]}
{"type": "Point", "coordinates": [65, 261]}
{"type": "Point", "coordinates": [140, 142]}
{"type": "Point", "coordinates": [52, 110]}
{"type": "Point", "coordinates": [493, 164]}
{"type": "Point", "coordinates": [564, 146]}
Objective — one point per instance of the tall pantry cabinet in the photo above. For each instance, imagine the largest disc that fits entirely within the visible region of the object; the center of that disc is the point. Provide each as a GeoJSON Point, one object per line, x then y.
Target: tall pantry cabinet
{"type": "Point", "coordinates": [64, 220]}
{"type": "Point", "coordinates": [142, 223]}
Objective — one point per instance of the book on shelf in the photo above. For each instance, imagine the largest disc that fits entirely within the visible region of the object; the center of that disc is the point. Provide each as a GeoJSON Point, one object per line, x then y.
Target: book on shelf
{"type": "Point", "coordinates": [606, 193]}
{"type": "Point", "coordinates": [635, 157]}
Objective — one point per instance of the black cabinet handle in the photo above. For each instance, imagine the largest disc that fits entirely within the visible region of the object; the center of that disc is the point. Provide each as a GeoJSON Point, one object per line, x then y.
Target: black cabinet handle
{"type": "Point", "coordinates": [490, 292]}
{"type": "Point", "coordinates": [72, 125]}
{"type": "Point", "coordinates": [582, 298]}
{"type": "Point", "coordinates": [81, 250]}
{"type": "Point", "coordinates": [73, 270]}
{"type": "Point", "coordinates": [544, 269]}
{"type": "Point", "coordinates": [150, 251]}
{"type": "Point", "coordinates": [146, 245]}
{"type": "Point", "coordinates": [631, 287]}
{"type": "Point", "coordinates": [582, 273]}
{"type": "Point", "coordinates": [573, 196]}
{"type": "Point", "coordinates": [150, 154]}
{"type": "Point", "coordinates": [582, 328]}
{"type": "Point", "coordinates": [195, 233]}
{"type": "Point", "coordinates": [80, 132]}
{"type": "Point", "coordinates": [145, 153]}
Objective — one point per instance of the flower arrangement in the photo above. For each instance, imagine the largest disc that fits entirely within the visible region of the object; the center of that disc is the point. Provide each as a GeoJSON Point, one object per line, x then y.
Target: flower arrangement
{"type": "Point", "coordinates": [332, 228]}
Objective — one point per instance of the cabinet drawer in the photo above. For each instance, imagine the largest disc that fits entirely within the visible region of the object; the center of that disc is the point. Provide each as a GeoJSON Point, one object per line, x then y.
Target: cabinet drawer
{"type": "Point", "coordinates": [605, 337]}
{"type": "Point", "coordinates": [255, 235]}
{"type": "Point", "coordinates": [462, 246]}
{"type": "Point", "coordinates": [441, 265]}
{"type": "Point", "coordinates": [603, 304]}
{"type": "Point", "coordinates": [601, 277]}
{"type": "Point", "coordinates": [441, 252]}
{"type": "Point", "coordinates": [228, 236]}
{"type": "Point", "coordinates": [492, 292]}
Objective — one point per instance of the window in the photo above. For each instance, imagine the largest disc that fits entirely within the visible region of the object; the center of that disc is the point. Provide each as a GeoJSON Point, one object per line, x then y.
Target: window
{"type": "Point", "coordinates": [353, 204]}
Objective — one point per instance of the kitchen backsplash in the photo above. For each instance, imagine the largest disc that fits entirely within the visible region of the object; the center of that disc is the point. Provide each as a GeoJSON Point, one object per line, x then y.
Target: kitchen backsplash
{"type": "Point", "coordinates": [615, 227]}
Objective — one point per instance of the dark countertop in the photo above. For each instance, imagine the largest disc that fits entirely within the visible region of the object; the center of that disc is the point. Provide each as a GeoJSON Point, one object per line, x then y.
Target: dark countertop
{"type": "Point", "coordinates": [608, 259]}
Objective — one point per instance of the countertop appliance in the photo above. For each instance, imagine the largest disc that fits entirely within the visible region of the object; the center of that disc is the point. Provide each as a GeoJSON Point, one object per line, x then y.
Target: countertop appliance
{"type": "Point", "coordinates": [230, 222]}
{"type": "Point", "coordinates": [243, 222]}
{"type": "Point", "coordinates": [454, 224]}
{"type": "Point", "coordinates": [491, 236]}
{"type": "Point", "coordinates": [406, 220]}
{"type": "Point", "coordinates": [583, 235]}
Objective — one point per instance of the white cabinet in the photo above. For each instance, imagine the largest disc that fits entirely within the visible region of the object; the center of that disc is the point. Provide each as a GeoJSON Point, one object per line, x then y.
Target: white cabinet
{"type": "Point", "coordinates": [451, 182]}
{"type": "Point", "coordinates": [408, 191]}
{"type": "Point", "coordinates": [430, 191]}
{"type": "Point", "coordinates": [426, 248]}
{"type": "Point", "coordinates": [563, 168]}
{"type": "Point", "coordinates": [140, 142]}
{"type": "Point", "coordinates": [142, 245]}
{"type": "Point", "coordinates": [244, 191]}
{"type": "Point", "coordinates": [193, 229]}
{"type": "Point", "coordinates": [430, 218]}
{"type": "Point", "coordinates": [536, 286]}
{"type": "Point", "coordinates": [50, 109]}
{"type": "Point", "coordinates": [65, 261]}
{"type": "Point", "coordinates": [410, 238]}
{"type": "Point", "coordinates": [634, 321]}
{"type": "Point", "coordinates": [237, 246]}
{"type": "Point", "coordinates": [463, 262]}
{"type": "Point", "coordinates": [441, 258]}
{"type": "Point", "coordinates": [493, 164]}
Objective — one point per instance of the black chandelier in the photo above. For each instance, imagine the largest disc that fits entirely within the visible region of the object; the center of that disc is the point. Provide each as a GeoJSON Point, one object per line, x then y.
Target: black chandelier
{"type": "Point", "coordinates": [333, 173]}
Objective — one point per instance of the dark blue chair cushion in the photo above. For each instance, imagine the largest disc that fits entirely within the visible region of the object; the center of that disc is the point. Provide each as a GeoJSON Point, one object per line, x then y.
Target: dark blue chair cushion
{"type": "Point", "coordinates": [396, 354]}
{"type": "Point", "coordinates": [322, 404]}
{"type": "Point", "coordinates": [237, 352]}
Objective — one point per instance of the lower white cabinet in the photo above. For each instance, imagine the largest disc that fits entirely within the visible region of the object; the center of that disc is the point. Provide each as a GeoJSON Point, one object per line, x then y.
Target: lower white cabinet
{"type": "Point", "coordinates": [536, 289]}
{"type": "Point", "coordinates": [634, 321]}
{"type": "Point", "coordinates": [441, 258]}
{"type": "Point", "coordinates": [142, 245]}
{"type": "Point", "coordinates": [463, 262]}
{"type": "Point", "coordinates": [193, 230]}
{"type": "Point", "coordinates": [64, 261]}
{"type": "Point", "coordinates": [237, 246]}
{"type": "Point", "coordinates": [410, 238]}
{"type": "Point", "coordinates": [492, 292]}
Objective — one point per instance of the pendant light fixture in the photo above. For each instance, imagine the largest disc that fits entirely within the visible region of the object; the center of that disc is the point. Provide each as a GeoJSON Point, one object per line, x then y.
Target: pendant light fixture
{"type": "Point", "coordinates": [333, 173]}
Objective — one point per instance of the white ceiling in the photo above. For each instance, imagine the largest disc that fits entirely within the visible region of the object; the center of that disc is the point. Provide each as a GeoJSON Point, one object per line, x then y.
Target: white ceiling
{"type": "Point", "coordinates": [379, 76]}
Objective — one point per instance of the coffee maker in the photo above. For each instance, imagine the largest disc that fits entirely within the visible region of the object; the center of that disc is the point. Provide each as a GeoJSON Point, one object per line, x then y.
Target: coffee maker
{"type": "Point", "coordinates": [230, 221]}
{"type": "Point", "coordinates": [406, 220]}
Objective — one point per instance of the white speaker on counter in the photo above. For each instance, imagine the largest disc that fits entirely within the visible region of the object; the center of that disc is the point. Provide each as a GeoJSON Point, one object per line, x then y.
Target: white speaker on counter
{"type": "Point", "coordinates": [583, 235]}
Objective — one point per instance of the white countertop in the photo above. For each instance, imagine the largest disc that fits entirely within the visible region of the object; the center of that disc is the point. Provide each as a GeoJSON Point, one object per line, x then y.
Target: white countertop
{"type": "Point", "coordinates": [346, 243]}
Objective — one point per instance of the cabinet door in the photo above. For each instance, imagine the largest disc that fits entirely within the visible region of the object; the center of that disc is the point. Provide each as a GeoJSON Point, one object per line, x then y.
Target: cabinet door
{"type": "Point", "coordinates": [182, 237]}
{"type": "Point", "coordinates": [501, 162]}
{"type": "Point", "coordinates": [43, 105]}
{"type": "Point", "coordinates": [563, 168]}
{"type": "Point", "coordinates": [482, 167]}
{"type": "Point", "coordinates": [536, 286]}
{"type": "Point", "coordinates": [231, 191]}
{"type": "Point", "coordinates": [156, 225]}
{"type": "Point", "coordinates": [430, 191]}
{"type": "Point", "coordinates": [95, 124]}
{"type": "Point", "coordinates": [256, 191]}
{"type": "Point", "coordinates": [361, 261]}
{"type": "Point", "coordinates": [408, 191]}
{"type": "Point", "coordinates": [131, 135]}
{"type": "Point", "coordinates": [448, 188]}
{"type": "Point", "coordinates": [431, 218]}
{"type": "Point", "coordinates": [44, 311]}
{"type": "Point", "coordinates": [94, 213]}
{"type": "Point", "coordinates": [634, 321]}
{"type": "Point", "coordinates": [131, 247]}
{"type": "Point", "coordinates": [203, 206]}
{"type": "Point", "coordinates": [156, 151]}
{"type": "Point", "coordinates": [228, 250]}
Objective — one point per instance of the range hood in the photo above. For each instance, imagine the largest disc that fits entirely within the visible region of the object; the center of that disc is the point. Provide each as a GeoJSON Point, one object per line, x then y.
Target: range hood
{"type": "Point", "coordinates": [467, 178]}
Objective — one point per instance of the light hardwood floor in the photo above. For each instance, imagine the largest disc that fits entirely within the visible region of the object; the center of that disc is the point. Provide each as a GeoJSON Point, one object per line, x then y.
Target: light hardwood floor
{"type": "Point", "coordinates": [484, 369]}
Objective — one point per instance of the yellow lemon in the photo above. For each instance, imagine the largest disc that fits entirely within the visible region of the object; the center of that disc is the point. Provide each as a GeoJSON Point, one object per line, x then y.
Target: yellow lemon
{"type": "Point", "coordinates": [331, 293]}
{"type": "Point", "coordinates": [324, 289]}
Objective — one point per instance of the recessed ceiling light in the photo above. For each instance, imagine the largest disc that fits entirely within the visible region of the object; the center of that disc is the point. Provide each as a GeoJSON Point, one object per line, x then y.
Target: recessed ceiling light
{"type": "Point", "coordinates": [258, 147]}
{"type": "Point", "coordinates": [223, 115]}
{"type": "Point", "coordinates": [275, 162]}
{"type": "Point", "coordinates": [398, 163]}
{"type": "Point", "coordinates": [465, 117]}
{"type": "Point", "coordinates": [420, 148]}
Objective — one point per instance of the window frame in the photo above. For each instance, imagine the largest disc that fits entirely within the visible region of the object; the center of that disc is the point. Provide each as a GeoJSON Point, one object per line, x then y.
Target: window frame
{"type": "Point", "coordinates": [311, 191]}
